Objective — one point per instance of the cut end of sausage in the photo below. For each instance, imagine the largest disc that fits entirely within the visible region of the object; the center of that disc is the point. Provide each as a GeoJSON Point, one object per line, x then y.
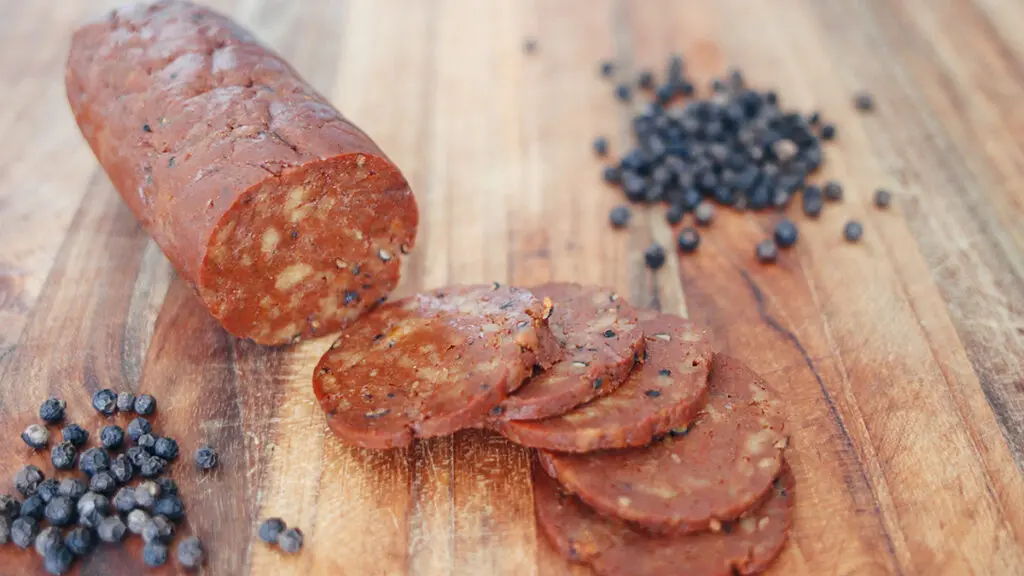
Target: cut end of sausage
{"type": "Point", "coordinates": [306, 252]}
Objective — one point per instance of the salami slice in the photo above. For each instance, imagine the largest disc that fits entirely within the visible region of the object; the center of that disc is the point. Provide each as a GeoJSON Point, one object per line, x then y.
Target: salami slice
{"type": "Point", "coordinates": [602, 340]}
{"type": "Point", "coordinates": [286, 219]}
{"type": "Point", "coordinates": [431, 364]}
{"type": "Point", "coordinates": [612, 548]}
{"type": "Point", "coordinates": [663, 393]}
{"type": "Point", "coordinates": [724, 463]}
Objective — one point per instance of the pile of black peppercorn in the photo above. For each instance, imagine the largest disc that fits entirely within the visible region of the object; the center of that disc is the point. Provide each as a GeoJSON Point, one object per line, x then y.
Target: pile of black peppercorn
{"type": "Point", "coordinates": [275, 532]}
{"type": "Point", "coordinates": [100, 505]}
{"type": "Point", "coordinates": [735, 146]}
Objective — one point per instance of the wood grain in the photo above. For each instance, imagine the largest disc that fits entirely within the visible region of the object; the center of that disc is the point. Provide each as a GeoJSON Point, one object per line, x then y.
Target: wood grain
{"type": "Point", "coordinates": [900, 358]}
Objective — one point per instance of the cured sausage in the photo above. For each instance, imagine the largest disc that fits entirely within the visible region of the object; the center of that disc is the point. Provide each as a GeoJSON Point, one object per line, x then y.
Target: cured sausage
{"type": "Point", "coordinates": [712, 473]}
{"type": "Point", "coordinates": [663, 393]}
{"type": "Point", "coordinates": [431, 364]}
{"type": "Point", "coordinates": [602, 340]}
{"type": "Point", "coordinates": [286, 219]}
{"type": "Point", "coordinates": [612, 548]}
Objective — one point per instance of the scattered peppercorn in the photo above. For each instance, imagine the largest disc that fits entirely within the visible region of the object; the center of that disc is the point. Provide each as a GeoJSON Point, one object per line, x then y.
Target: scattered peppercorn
{"type": "Point", "coordinates": [206, 457]}
{"type": "Point", "coordinates": [137, 520]}
{"type": "Point", "coordinates": [529, 46]}
{"type": "Point", "coordinates": [73, 488]}
{"type": "Point", "coordinates": [125, 402]}
{"type": "Point", "coordinates": [79, 540]}
{"type": "Point", "coordinates": [146, 493]}
{"type": "Point", "coordinates": [58, 560]}
{"type": "Point", "coordinates": [622, 92]}
{"type": "Point", "coordinates": [828, 131]}
{"type": "Point", "coordinates": [27, 480]}
{"type": "Point", "coordinates": [136, 455]}
{"type": "Point", "coordinates": [147, 442]}
{"type": "Point", "coordinates": [612, 175]}
{"type": "Point", "coordinates": [33, 507]}
{"type": "Point", "coordinates": [158, 529]}
{"type": "Point", "coordinates": [190, 552]}
{"type": "Point", "coordinates": [62, 456]}
{"type": "Point", "coordinates": [654, 256]}
{"type": "Point", "coordinates": [124, 500]}
{"type": "Point", "coordinates": [785, 233]}
{"type": "Point", "coordinates": [864, 102]}
{"type": "Point", "coordinates": [166, 448]}
{"type": "Point", "coordinates": [103, 482]}
{"type": "Point", "coordinates": [36, 436]}
{"type": "Point", "coordinates": [105, 402]}
{"type": "Point", "coordinates": [620, 216]}
{"type": "Point", "coordinates": [767, 252]}
{"type": "Point", "coordinates": [94, 460]}
{"type": "Point", "coordinates": [111, 529]}
{"type": "Point", "coordinates": [145, 404]}
{"type": "Point", "coordinates": [290, 540]}
{"type": "Point", "coordinates": [152, 466]}
{"type": "Point", "coordinates": [167, 486]}
{"type": "Point", "coordinates": [704, 213]}
{"type": "Point", "coordinates": [833, 190]}
{"type": "Point", "coordinates": [60, 511]}
{"type": "Point", "coordinates": [853, 231]}
{"type": "Point", "coordinates": [51, 410]}
{"type": "Point", "coordinates": [646, 80]}
{"type": "Point", "coordinates": [48, 538]}
{"type": "Point", "coordinates": [8, 506]}
{"type": "Point", "coordinates": [170, 507]}
{"type": "Point", "coordinates": [47, 489]}
{"type": "Point", "coordinates": [154, 553]}
{"type": "Point", "coordinates": [23, 531]}
{"type": "Point", "coordinates": [75, 434]}
{"type": "Point", "coordinates": [675, 213]}
{"type": "Point", "coordinates": [271, 529]}
{"type": "Point", "coordinates": [91, 508]}
{"type": "Point", "coordinates": [5, 530]}
{"type": "Point", "coordinates": [601, 146]}
{"type": "Point", "coordinates": [882, 198]}
{"type": "Point", "coordinates": [813, 201]}
{"type": "Point", "coordinates": [112, 437]}
{"type": "Point", "coordinates": [607, 68]}
{"type": "Point", "coordinates": [689, 240]}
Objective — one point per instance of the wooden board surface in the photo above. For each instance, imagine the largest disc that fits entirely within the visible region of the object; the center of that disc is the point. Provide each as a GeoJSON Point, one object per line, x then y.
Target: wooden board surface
{"type": "Point", "coordinates": [900, 358]}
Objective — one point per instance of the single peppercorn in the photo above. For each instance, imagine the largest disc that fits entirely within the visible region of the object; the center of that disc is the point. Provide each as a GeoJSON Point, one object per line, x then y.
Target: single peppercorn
{"type": "Point", "coordinates": [622, 92]}
{"type": "Point", "coordinates": [146, 493]}
{"type": "Point", "coordinates": [828, 132]}
{"type": "Point", "coordinates": [94, 460]}
{"type": "Point", "coordinates": [125, 402]}
{"type": "Point", "coordinates": [167, 486]}
{"type": "Point", "coordinates": [58, 560]}
{"type": "Point", "coordinates": [152, 466]}
{"type": "Point", "coordinates": [147, 442]}
{"type": "Point", "coordinates": [105, 402]}
{"type": "Point", "coordinates": [60, 511]}
{"type": "Point", "coordinates": [290, 540]}
{"type": "Point", "coordinates": [166, 448]}
{"type": "Point", "coordinates": [190, 552]}
{"type": "Point", "coordinates": [48, 538]}
{"type": "Point", "coordinates": [607, 68]}
{"type": "Point", "coordinates": [5, 530]}
{"type": "Point", "coordinates": [103, 482]}
{"type": "Point", "coordinates": [882, 198]}
{"type": "Point", "coordinates": [36, 436]}
{"type": "Point", "coordinates": [813, 201]}
{"type": "Point", "coordinates": [689, 240]}
{"type": "Point", "coordinates": [864, 102]}
{"type": "Point", "coordinates": [529, 46]}
{"type": "Point", "coordinates": [47, 489]}
{"type": "Point", "coordinates": [75, 434]}
{"type": "Point", "coordinates": [785, 233]}
{"type": "Point", "coordinates": [645, 80]}
{"type": "Point", "coordinates": [853, 231]}
{"type": "Point", "coordinates": [136, 455]}
{"type": "Point", "coordinates": [8, 506]}
{"type": "Point", "coordinates": [23, 531]}
{"type": "Point", "coordinates": [620, 216]}
{"type": "Point", "coordinates": [27, 480]}
{"type": "Point", "coordinates": [833, 191]}
{"type": "Point", "coordinates": [33, 507]}
{"type": "Point", "coordinates": [154, 553]}
{"type": "Point", "coordinates": [170, 507]}
{"type": "Point", "coordinates": [654, 256]}
{"type": "Point", "coordinates": [271, 529]}
{"type": "Point", "coordinates": [124, 500]}
{"type": "Point", "coordinates": [136, 520]}
{"type": "Point", "coordinates": [111, 529]}
{"type": "Point", "coordinates": [766, 252]}
{"type": "Point", "coordinates": [62, 456]}
{"type": "Point", "coordinates": [92, 508]}
{"type": "Point", "coordinates": [51, 410]}
{"type": "Point", "coordinates": [73, 488]}
{"type": "Point", "coordinates": [79, 540]}
{"type": "Point", "coordinates": [601, 146]}
{"type": "Point", "coordinates": [675, 213]}
{"type": "Point", "coordinates": [612, 175]}
{"type": "Point", "coordinates": [206, 457]}
{"type": "Point", "coordinates": [122, 469]}
{"type": "Point", "coordinates": [145, 404]}
{"type": "Point", "coordinates": [704, 213]}
{"type": "Point", "coordinates": [158, 529]}
{"type": "Point", "coordinates": [112, 437]}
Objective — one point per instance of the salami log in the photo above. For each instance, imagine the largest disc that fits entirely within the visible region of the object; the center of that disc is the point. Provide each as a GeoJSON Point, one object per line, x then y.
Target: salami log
{"type": "Point", "coordinates": [286, 219]}
{"type": "Point", "coordinates": [602, 340]}
{"type": "Point", "coordinates": [612, 548]}
{"type": "Point", "coordinates": [431, 364]}
{"type": "Point", "coordinates": [710, 474]}
{"type": "Point", "coordinates": [663, 393]}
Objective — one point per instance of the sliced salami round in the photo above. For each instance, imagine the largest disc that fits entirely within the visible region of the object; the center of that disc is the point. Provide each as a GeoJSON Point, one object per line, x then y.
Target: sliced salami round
{"type": "Point", "coordinates": [663, 393]}
{"type": "Point", "coordinates": [431, 364]}
{"type": "Point", "coordinates": [602, 340]}
{"type": "Point", "coordinates": [694, 478]}
{"type": "Point", "coordinates": [613, 548]}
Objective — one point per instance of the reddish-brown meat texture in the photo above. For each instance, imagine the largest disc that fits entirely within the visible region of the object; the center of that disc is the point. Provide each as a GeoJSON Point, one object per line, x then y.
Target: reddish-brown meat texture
{"type": "Point", "coordinates": [612, 548]}
{"type": "Point", "coordinates": [663, 393]}
{"type": "Point", "coordinates": [431, 364]}
{"type": "Point", "coordinates": [713, 472]}
{"type": "Point", "coordinates": [283, 215]}
{"type": "Point", "coordinates": [602, 340]}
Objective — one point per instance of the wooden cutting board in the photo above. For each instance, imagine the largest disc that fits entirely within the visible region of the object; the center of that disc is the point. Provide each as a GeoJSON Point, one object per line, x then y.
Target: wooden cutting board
{"type": "Point", "coordinates": [900, 358]}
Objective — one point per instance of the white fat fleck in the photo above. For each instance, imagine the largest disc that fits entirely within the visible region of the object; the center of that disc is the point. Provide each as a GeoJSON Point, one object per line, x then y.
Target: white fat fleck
{"type": "Point", "coordinates": [384, 255]}
{"type": "Point", "coordinates": [665, 337]}
{"type": "Point", "coordinates": [624, 501]}
{"type": "Point", "coordinates": [292, 275]}
{"type": "Point", "coordinates": [748, 524]}
{"type": "Point", "coordinates": [269, 240]}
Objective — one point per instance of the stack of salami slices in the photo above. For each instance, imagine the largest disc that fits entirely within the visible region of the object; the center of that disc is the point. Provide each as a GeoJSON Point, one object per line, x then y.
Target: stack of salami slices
{"type": "Point", "coordinates": [655, 455]}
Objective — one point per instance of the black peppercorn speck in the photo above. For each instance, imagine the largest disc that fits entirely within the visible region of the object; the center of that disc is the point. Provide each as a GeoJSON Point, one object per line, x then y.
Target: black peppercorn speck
{"type": "Point", "coordinates": [766, 251]}
{"type": "Point", "coordinates": [620, 216]}
{"type": "Point", "coordinates": [48, 489]}
{"type": "Point", "coordinates": [154, 553]}
{"type": "Point", "coordinates": [833, 190]}
{"type": "Point", "coordinates": [145, 404]}
{"type": "Point", "coordinates": [675, 213]}
{"type": "Point", "coordinates": [73, 488]}
{"type": "Point", "coordinates": [23, 531]}
{"type": "Point", "coordinates": [112, 437]}
{"type": "Point", "coordinates": [167, 486]}
{"type": "Point", "coordinates": [94, 460]}
{"type": "Point", "coordinates": [290, 540]}
{"type": "Point", "coordinates": [158, 529]}
{"type": "Point", "coordinates": [828, 131]}
{"type": "Point", "coordinates": [853, 231]}
{"type": "Point", "coordinates": [124, 500]}
{"type": "Point", "coordinates": [122, 469]}
{"type": "Point", "coordinates": [75, 434]}
{"type": "Point", "coordinates": [170, 507]}
{"type": "Point", "coordinates": [103, 482]}
{"type": "Point", "coordinates": [601, 146]}
{"type": "Point", "coordinates": [166, 448]}
{"type": "Point", "coordinates": [152, 466]}
{"type": "Point", "coordinates": [27, 480]}
{"type": "Point", "coordinates": [136, 520]}
{"type": "Point", "coordinates": [36, 436]}
{"type": "Point", "coordinates": [125, 402]}
{"type": "Point", "coordinates": [105, 402]}
{"type": "Point", "coordinates": [882, 198]}
{"type": "Point", "coordinates": [60, 511]}
{"type": "Point", "coordinates": [147, 442]}
{"type": "Point", "coordinates": [864, 102]}
{"type": "Point", "coordinates": [79, 540]}
{"type": "Point", "coordinates": [607, 68]}
{"type": "Point", "coordinates": [33, 507]}
{"type": "Point", "coordinates": [47, 539]}
{"type": "Point", "coordinates": [206, 457]}
{"type": "Point", "coordinates": [785, 233]}
{"type": "Point", "coordinates": [138, 427]}
{"type": "Point", "coordinates": [8, 506]}
{"type": "Point", "coordinates": [654, 256]}
{"type": "Point", "coordinates": [689, 240]}
{"type": "Point", "coordinates": [111, 529]}
{"type": "Point", "coordinates": [270, 529]}
{"type": "Point", "coordinates": [190, 552]}
{"type": "Point", "coordinates": [622, 92]}
{"type": "Point", "coordinates": [51, 410]}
